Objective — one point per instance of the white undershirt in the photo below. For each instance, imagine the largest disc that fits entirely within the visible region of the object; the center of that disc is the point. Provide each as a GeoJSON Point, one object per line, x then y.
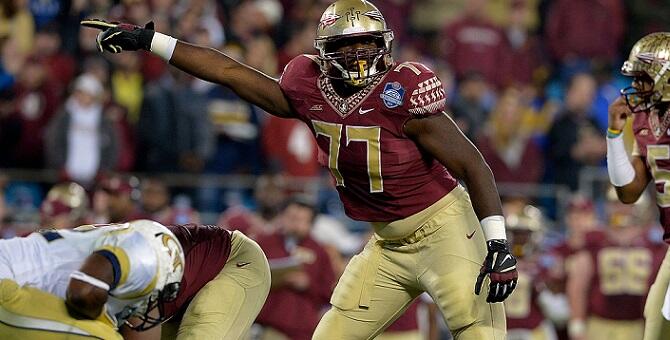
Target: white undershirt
{"type": "Point", "coordinates": [83, 141]}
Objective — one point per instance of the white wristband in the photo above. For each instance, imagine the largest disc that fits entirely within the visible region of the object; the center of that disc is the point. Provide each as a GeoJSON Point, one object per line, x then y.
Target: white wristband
{"type": "Point", "coordinates": [619, 167]}
{"type": "Point", "coordinates": [576, 328]}
{"type": "Point", "coordinates": [494, 227]}
{"type": "Point", "coordinates": [77, 275]}
{"type": "Point", "coordinates": [163, 45]}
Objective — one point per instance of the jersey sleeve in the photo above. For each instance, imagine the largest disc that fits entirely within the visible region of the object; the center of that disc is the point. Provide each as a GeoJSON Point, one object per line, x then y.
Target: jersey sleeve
{"type": "Point", "coordinates": [299, 77]}
{"type": "Point", "coordinates": [134, 263]}
{"type": "Point", "coordinates": [426, 93]}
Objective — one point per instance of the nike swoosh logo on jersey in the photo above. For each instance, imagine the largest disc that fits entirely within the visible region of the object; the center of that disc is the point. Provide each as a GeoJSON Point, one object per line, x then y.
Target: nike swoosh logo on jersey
{"type": "Point", "coordinates": [362, 112]}
{"type": "Point", "coordinates": [470, 236]}
{"type": "Point", "coordinates": [242, 264]}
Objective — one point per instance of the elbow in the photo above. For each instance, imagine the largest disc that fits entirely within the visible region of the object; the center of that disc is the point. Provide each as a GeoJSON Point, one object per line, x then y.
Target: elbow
{"type": "Point", "coordinates": [627, 196]}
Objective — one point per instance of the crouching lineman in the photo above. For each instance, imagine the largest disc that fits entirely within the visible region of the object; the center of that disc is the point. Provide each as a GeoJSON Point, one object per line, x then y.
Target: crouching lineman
{"type": "Point", "coordinates": [105, 275]}
{"type": "Point", "coordinates": [225, 284]}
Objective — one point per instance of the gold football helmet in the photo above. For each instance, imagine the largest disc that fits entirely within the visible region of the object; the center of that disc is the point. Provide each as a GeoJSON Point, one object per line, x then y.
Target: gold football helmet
{"type": "Point", "coordinates": [69, 198]}
{"type": "Point", "coordinates": [649, 58]}
{"type": "Point", "coordinates": [345, 23]}
{"type": "Point", "coordinates": [524, 230]}
{"type": "Point", "coordinates": [621, 215]}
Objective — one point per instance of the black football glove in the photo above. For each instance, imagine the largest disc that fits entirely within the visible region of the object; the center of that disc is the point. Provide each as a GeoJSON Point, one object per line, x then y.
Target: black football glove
{"type": "Point", "coordinates": [500, 265]}
{"type": "Point", "coordinates": [117, 37]}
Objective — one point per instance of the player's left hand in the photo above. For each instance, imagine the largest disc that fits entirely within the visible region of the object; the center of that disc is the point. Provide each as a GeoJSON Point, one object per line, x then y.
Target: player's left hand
{"type": "Point", "coordinates": [500, 265]}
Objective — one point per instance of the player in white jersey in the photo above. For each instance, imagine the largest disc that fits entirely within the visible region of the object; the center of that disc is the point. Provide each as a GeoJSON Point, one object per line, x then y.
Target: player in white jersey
{"type": "Point", "coordinates": [104, 273]}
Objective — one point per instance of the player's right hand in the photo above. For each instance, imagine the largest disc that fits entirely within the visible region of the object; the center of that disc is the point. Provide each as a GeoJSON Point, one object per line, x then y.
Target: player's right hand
{"type": "Point", "coordinates": [117, 37]}
{"type": "Point", "coordinates": [618, 113]}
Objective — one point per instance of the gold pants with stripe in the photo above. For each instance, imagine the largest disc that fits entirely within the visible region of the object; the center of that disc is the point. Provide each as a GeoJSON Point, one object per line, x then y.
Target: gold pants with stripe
{"type": "Point", "coordinates": [225, 307]}
{"type": "Point", "coordinates": [29, 313]}
{"type": "Point", "coordinates": [656, 327]}
{"type": "Point", "coordinates": [442, 256]}
{"type": "Point", "coordinates": [604, 329]}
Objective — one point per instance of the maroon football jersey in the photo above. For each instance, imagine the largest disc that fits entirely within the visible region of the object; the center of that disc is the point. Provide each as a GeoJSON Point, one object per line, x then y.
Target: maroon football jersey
{"type": "Point", "coordinates": [380, 173]}
{"type": "Point", "coordinates": [206, 250]}
{"type": "Point", "coordinates": [521, 307]}
{"type": "Point", "coordinates": [652, 136]}
{"type": "Point", "coordinates": [623, 275]}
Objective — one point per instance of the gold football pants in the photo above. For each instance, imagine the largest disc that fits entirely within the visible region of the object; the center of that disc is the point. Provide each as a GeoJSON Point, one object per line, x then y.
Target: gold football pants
{"type": "Point", "coordinates": [225, 307]}
{"type": "Point", "coordinates": [29, 313]}
{"type": "Point", "coordinates": [656, 327]}
{"type": "Point", "coordinates": [442, 257]}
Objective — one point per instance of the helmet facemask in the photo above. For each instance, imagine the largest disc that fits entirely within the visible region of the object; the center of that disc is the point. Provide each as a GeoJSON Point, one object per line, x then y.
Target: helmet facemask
{"type": "Point", "coordinates": [638, 98]}
{"type": "Point", "coordinates": [356, 67]}
{"type": "Point", "coordinates": [158, 299]}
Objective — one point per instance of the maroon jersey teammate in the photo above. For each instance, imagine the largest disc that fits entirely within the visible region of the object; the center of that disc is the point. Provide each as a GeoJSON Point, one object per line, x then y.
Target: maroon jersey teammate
{"type": "Point", "coordinates": [392, 151]}
{"type": "Point", "coordinates": [610, 277]}
{"type": "Point", "coordinates": [533, 305]}
{"type": "Point", "coordinates": [218, 263]}
{"type": "Point", "coordinates": [647, 101]}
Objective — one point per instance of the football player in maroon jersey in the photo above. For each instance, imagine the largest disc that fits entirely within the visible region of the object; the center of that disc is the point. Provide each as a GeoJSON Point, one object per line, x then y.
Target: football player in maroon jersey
{"type": "Point", "coordinates": [394, 156]}
{"type": "Point", "coordinates": [225, 283]}
{"type": "Point", "coordinates": [532, 306]}
{"type": "Point", "coordinates": [647, 101]}
{"type": "Point", "coordinates": [610, 277]}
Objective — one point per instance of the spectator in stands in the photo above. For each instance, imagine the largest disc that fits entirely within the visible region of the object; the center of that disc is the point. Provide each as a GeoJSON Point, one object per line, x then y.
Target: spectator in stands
{"type": "Point", "coordinates": [236, 125]}
{"type": "Point", "coordinates": [474, 37]}
{"type": "Point", "coordinates": [81, 140]}
{"type": "Point", "coordinates": [65, 206]}
{"type": "Point", "coordinates": [172, 131]}
{"type": "Point", "coordinates": [575, 30]}
{"type": "Point", "coordinates": [506, 144]}
{"type": "Point", "coordinates": [470, 107]}
{"type": "Point", "coordinates": [36, 102]}
{"type": "Point", "coordinates": [155, 203]}
{"type": "Point", "coordinates": [16, 23]}
{"type": "Point", "coordinates": [574, 139]}
{"type": "Point", "coordinates": [269, 193]}
{"type": "Point", "coordinates": [60, 66]}
{"type": "Point", "coordinates": [127, 84]}
{"type": "Point", "coordinates": [301, 41]}
{"type": "Point", "coordinates": [114, 200]}
{"type": "Point", "coordinates": [302, 275]}
{"type": "Point", "coordinates": [522, 61]}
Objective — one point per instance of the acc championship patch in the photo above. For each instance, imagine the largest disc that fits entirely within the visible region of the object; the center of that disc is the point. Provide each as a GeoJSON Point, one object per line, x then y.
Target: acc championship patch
{"type": "Point", "coordinates": [393, 94]}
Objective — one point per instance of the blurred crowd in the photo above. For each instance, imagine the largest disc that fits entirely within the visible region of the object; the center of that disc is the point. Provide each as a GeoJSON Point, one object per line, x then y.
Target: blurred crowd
{"type": "Point", "coordinates": [529, 81]}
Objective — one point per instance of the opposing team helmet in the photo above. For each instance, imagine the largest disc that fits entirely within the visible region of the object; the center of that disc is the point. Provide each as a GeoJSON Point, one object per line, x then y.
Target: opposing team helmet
{"type": "Point", "coordinates": [170, 270]}
{"type": "Point", "coordinates": [346, 22]}
{"type": "Point", "coordinates": [649, 57]}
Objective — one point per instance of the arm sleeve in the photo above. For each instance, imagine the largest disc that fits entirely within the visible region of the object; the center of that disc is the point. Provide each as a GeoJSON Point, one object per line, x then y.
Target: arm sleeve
{"type": "Point", "coordinates": [425, 92]}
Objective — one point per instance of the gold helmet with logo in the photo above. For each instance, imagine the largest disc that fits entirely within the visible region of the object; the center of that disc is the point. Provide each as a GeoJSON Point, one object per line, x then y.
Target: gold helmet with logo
{"type": "Point", "coordinates": [649, 58]}
{"type": "Point", "coordinates": [621, 215]}
{"type": "Point", "coordinates": [524, 230]}
{"type": "Point", "coordinates": [65, 198]}
{"type": "Point", "coordinates": [345, 23]}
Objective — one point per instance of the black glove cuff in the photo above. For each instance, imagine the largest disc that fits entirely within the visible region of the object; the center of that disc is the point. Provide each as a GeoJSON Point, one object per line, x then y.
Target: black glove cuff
{"type": "Point", "coordinates": [498, 245]}
{"type": "Point", "coordinates": [145, 38]}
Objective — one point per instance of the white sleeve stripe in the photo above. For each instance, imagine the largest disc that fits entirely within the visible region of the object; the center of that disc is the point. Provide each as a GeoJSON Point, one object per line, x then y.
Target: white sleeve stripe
{"type": "Point", "coordinates": [77, 275]}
